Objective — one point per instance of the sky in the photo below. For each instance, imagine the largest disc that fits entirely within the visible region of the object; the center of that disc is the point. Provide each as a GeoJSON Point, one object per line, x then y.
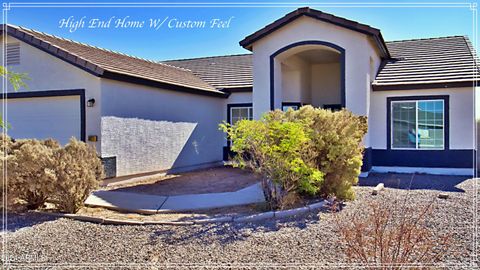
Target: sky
{"type": "Point", "coordinates": [130, 29]}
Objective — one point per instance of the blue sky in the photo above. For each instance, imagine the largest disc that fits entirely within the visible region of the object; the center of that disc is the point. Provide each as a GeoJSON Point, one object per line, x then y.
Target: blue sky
{"type": "Point", "coordinates": [171, 43]}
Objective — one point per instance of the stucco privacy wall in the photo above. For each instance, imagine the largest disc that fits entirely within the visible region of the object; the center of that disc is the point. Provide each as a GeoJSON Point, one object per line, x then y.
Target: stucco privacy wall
{"type": "Point", "coordinates": [47, 72]}
{"type": "Point", "coordinates": [462, 115]}
{"type": "Point", "coordinates": [358, 52]}
{"type": "Point", "coordinates": [150, 129]}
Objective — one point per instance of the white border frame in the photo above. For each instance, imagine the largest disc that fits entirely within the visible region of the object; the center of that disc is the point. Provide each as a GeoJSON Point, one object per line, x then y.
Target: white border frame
{"type": "Point", "coordinates": [472, 6]}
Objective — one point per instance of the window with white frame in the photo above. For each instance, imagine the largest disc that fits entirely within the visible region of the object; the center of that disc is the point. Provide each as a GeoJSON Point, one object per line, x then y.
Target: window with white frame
{"type": "Point", "coordinates": [418, 124]}
{"type": "Point", "coordinates": [239, 113]}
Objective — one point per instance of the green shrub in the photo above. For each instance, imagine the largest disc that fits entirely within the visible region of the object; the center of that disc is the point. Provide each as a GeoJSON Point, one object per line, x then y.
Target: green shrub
{"type": "Point", "coordinates": [310, 151]}
{"type": "Point", "coordinates": [79, 172]}
{"type": "Point", "coordinates": [31, 172]}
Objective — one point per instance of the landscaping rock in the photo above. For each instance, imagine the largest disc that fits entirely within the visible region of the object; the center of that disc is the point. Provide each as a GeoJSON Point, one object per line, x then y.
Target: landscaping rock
{"type": "Point", "coordinates": [181, 223]}
{"type": "Point", "coordinates": [291, 212]}
{"type": "Point", "coordinates": [378, 188]}
{"type": "Point", "coordinates": [109, 221]}
{"type": "Point", "coordinates": [317, 206]}
{"type": "Point", "coordinates": [214, 220]}
{"type": "Point", "coordinates": [256, 217]}
{"type": "Point", "coordinates": [443, 196]}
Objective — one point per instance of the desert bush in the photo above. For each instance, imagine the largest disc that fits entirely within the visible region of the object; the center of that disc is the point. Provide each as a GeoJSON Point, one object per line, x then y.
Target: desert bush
{"type": "Point", "coordinates": [41, 171]}
{"type": "Point", "coordinates": [5, 154]}
{"type": "Point", "coordinates": [78, 172]}
{"type": "Point", "coordinates": [388, 234]}
{"type": "Point", "coordinates": [310, 151]}
{"type": "Point", "coordinates": [31, 171]}
{"type": "Point", "coordinates": [336, 147]}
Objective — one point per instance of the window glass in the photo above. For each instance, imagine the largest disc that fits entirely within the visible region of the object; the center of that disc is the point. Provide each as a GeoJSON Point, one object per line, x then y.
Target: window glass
{"type": "Point", "coordinates": [403, 125]}
{"type": "Point", "coordinates": [430, 124]}
{"type": "Point", "coordinates": [287, 107]}
{"type": "Point", "coordinates": [239, 113]}
{"type": "Point", "coordinates": [417, 124]}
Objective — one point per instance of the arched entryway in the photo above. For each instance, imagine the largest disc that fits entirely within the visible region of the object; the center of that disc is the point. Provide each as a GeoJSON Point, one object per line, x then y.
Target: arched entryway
{"type": "Point", "coordinates": [308, 72]}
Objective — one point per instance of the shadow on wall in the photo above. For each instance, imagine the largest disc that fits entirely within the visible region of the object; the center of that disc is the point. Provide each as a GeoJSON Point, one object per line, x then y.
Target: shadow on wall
{"type": "Point", "coordinates": [147, 145]}
{"type": "Point", "coordinates": [415, 181]}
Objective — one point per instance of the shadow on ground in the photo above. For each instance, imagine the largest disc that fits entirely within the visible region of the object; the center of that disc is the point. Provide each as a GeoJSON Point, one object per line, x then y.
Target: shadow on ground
{"type": "Point", "coordinates": [414, 181]}
{"type": "Point", "coordinates": [16, 221]}
{"type": "Point", "coordinates": [225, 233]}
{"type": "Point", "coordinates": [213, 180]}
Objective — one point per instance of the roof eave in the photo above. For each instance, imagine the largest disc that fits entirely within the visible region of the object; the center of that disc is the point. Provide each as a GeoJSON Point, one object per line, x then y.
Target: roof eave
{"type": "Point", "coordinates": [157, 84]}
{"type": "Point", "coordinates": [95, 69]}
{"type": "Point", "coordinates": [53, 50]}
{"type": "Point", "coordinates": [429, 85]}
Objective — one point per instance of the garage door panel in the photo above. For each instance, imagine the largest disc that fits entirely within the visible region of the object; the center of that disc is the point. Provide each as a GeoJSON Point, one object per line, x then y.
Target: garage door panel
{"type": "Point", "coordinates": [44, 117]}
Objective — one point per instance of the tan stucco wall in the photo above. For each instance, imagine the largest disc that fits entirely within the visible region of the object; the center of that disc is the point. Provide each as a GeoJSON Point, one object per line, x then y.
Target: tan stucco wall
{"type": "Point", "coordinates": [325, 84]}
{"type": "Point", "coordinates": [359, 49]}
{"type": "Point", "coordinates": [462, 115]}
{"type": "Point", "coordinates": [295, 80]}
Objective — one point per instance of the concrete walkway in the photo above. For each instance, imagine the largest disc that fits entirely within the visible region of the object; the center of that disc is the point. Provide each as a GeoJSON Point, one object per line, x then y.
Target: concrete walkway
{"type": "Point", "coordinates": [152, 204]}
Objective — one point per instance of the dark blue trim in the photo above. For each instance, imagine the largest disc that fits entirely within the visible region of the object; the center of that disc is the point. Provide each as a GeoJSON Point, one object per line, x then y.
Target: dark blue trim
{"type": "Point", "coordinates": [446, 115]}
{"type": "Point", "coordinates": [236, 105]}
{"type": "Point", "coordinates": [298, 104]}
{"type": "Point", "coordinates": [227, 153]}
{"type": "Point", "coordinates": [424, 158]}
{"type": "Point", "coordinates": [367, 160]}
{"type": "Point", "coordinates": [56, 93]}
{"type": "Point", "coordinates": [301, 43]}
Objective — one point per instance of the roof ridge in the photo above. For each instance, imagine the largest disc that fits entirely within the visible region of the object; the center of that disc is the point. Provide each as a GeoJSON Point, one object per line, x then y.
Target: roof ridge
{"type": "Point", "coordinates": [99, 48]}
{"type": "Point", "coordinates": [431, 38]}
{"type": "Point", "coordinates": [205, 57]}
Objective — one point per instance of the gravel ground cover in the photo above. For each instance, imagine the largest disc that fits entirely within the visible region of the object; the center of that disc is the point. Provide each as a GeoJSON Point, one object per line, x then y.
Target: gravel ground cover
{"type": "Point", "coordinates": [310, 241]}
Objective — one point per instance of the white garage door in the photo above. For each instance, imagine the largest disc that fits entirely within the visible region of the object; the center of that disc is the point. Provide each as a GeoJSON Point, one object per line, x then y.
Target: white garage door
{"type": "Point", "coordinates": [44, 117]}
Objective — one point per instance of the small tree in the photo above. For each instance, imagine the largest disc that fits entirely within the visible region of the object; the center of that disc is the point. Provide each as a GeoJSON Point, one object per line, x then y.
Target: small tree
{"type": "Point", "coordinates": [311, 151]}
{"type": "Point", "coordinates": [17, 80]}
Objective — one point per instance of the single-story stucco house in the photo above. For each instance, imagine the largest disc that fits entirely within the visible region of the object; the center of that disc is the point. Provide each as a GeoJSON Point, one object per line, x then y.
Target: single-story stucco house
{"type": "Point", "coordinates": [145, 116]}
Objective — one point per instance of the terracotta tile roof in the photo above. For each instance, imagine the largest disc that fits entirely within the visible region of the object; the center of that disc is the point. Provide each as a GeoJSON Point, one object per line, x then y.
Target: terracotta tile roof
{"type": "Point", "coordinates": [232, 71]}
{"type": "Point", "coordinates": [321, 16]}
{"type": "Point", "coordinates": [114, 65]}
{"type": "Point", "coordinates": [435, 62]}
{"type": "Point", "coordinates": [418, 63]}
